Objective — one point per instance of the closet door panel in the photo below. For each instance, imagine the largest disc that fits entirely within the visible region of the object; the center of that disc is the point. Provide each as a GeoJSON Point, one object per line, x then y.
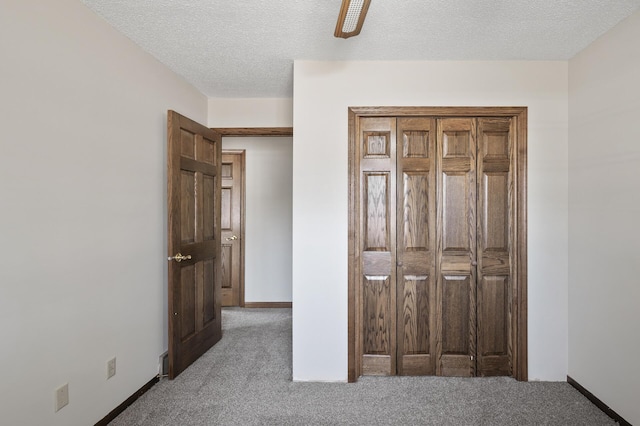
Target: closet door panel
{"type": "Point", "coordinates": [456, 247]}
{"type": "Point", "coordinates": [377, 153]}
{"type": "Point", "coordinates": [416, 195]}
{"type": "Point", "coordinates": [495, 245]}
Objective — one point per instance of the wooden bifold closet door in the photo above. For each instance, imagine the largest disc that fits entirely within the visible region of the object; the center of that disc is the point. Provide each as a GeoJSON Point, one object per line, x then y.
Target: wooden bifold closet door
{"type": "Point", "coordinates": [435, 245]}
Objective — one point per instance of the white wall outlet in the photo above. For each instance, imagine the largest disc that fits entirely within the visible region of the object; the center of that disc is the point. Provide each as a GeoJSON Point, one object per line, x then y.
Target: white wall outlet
{"type": "Point", "coordinates": [62, 396]}
{"type": "Point", "coordinates": [111, 368]}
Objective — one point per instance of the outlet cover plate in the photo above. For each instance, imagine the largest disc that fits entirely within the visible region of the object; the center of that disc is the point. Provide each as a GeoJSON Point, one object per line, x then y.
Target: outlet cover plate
{"type": "Point", "coordinates": [111, 368]}
{"type": "Point", "coordinates": [62, 396]}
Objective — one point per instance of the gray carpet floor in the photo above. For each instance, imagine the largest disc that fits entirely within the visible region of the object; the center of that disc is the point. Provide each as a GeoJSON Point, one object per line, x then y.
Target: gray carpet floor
{"type": "Point", "coordinates": [246, 380]}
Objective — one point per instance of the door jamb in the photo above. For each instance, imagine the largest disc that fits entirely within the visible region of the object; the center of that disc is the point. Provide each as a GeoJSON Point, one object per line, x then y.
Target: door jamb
{"type": "Point", "coordinates": [254, 131]}
{"type": "Point", "coordinates": [519, 305]}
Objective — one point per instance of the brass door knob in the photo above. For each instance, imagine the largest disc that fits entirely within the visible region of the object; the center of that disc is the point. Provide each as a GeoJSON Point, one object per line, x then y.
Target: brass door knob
{"type": "Point", "coordinates": [232, 238]}
{"type": "Point", "coordinates": [179, 257]}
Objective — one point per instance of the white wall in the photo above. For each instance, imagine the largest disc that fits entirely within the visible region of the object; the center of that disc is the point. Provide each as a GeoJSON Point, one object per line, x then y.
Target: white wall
{"type": "Point", "coordinates": [83, 190]}
{"type": "Point", "coordinates": [604, 207]}
{"type": "Point", "coordinates": [250, 112]}
{"type": "Point", "coordinates": [322, 93]}
{"type": "Point", "coordinates": [268, 192]}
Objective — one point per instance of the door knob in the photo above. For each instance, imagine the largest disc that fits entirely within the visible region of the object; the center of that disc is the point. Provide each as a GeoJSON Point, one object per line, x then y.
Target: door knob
{"type": "Point", "coordinates": [179, 257]}
{"type": "Point", "coordinates": [474, 263]}
{"type": "Point", "coordinates": [232, 238]}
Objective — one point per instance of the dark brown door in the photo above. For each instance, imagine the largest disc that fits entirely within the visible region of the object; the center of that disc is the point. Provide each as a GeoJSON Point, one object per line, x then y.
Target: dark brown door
{"type": "Point", "coordinates": [416, 245]}
{"type": "Point", "coordinates": [496, 239]}
{"type": "Point", "coordinates": [194, 163]}
{"type": "Point", "coordinates": [233, 170]}
{"type": "Point", "coordinates": [377, 182]}
{"type": "Point", "coordinates": [436, 240]}
{"type": "Point", "coordinates": [456, 253]}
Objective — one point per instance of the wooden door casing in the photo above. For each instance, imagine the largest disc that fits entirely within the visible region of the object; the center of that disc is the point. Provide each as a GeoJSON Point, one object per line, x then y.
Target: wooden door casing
{"type": "Point", "coordinates": [494, 209]}
{"type": "Point", "coordinates": [233, 198]}
{"type": "Point", "coordinates": [193, 167]}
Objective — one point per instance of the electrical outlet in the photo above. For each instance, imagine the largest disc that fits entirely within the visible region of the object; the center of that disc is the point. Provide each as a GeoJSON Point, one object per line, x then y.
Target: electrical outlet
{"type": "Point", "coordinates": [62, 396]}
{"type": "Point", "coordinates": [111, 368]}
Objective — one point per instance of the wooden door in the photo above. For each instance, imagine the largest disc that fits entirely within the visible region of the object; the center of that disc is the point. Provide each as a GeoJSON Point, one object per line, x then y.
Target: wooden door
{"type": "Point", "coordinates": [416, 245]}
{"type": "Point", "coordinates": [437, 225]}
{"type": "Point", "coordinates": [377, 154]}
{"type": "Point", "coordinates": [193, 163]}
{"type": "Point", "coordinates": [496, 237]}
{"type": "Point", "coordinates": [456, 252]}
{"type": "Point", "coordinates": [232, 174]}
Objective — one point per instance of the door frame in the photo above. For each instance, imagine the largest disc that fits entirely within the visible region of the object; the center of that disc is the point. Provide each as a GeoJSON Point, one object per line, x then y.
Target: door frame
{"type": "Point", "coordinates": [519, 302]}
{"type": "Point", "coordinates": [252, 132]}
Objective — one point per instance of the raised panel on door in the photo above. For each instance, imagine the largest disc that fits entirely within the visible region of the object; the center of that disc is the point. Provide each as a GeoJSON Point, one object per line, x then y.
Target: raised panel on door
{"type": "Point", "coordinates": [376, 153]}
{"type": "Point", "coordinates": [210, 308]}
{"type": "Point", "coordinates": [377, 216]}
{"type": "Point", "coordinates": [495, 244]}
{"type": "Point", "coordinates": [188, 291]}
{"type": "Point", "coordinates": [494, 345]}
{"type": "Point", "coordinates": [456, 248]}
{"type": "Point", "coordinates": [415, 348]}
{"type": "Point", "coordinates": [378, 334]}
{"type": "Point", "coordinates": [416, 204]}
{"type": "Point", "coordinates": [458, 326]}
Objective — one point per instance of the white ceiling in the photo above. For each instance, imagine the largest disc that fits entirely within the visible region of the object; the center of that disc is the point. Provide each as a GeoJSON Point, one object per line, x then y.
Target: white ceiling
{"type": "Point", "coordinates": [246, 48]}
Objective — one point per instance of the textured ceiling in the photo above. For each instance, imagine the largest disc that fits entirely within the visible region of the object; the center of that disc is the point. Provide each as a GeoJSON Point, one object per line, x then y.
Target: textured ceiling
{"type": "Point", "coordinates": [246, 48]}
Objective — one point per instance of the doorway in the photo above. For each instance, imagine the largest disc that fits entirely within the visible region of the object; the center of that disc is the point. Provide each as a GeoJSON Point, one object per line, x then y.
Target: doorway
{"type": "Point", "coordinates": [267, 234]}
{"type": "Point", "coordinates": [437, 241]}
